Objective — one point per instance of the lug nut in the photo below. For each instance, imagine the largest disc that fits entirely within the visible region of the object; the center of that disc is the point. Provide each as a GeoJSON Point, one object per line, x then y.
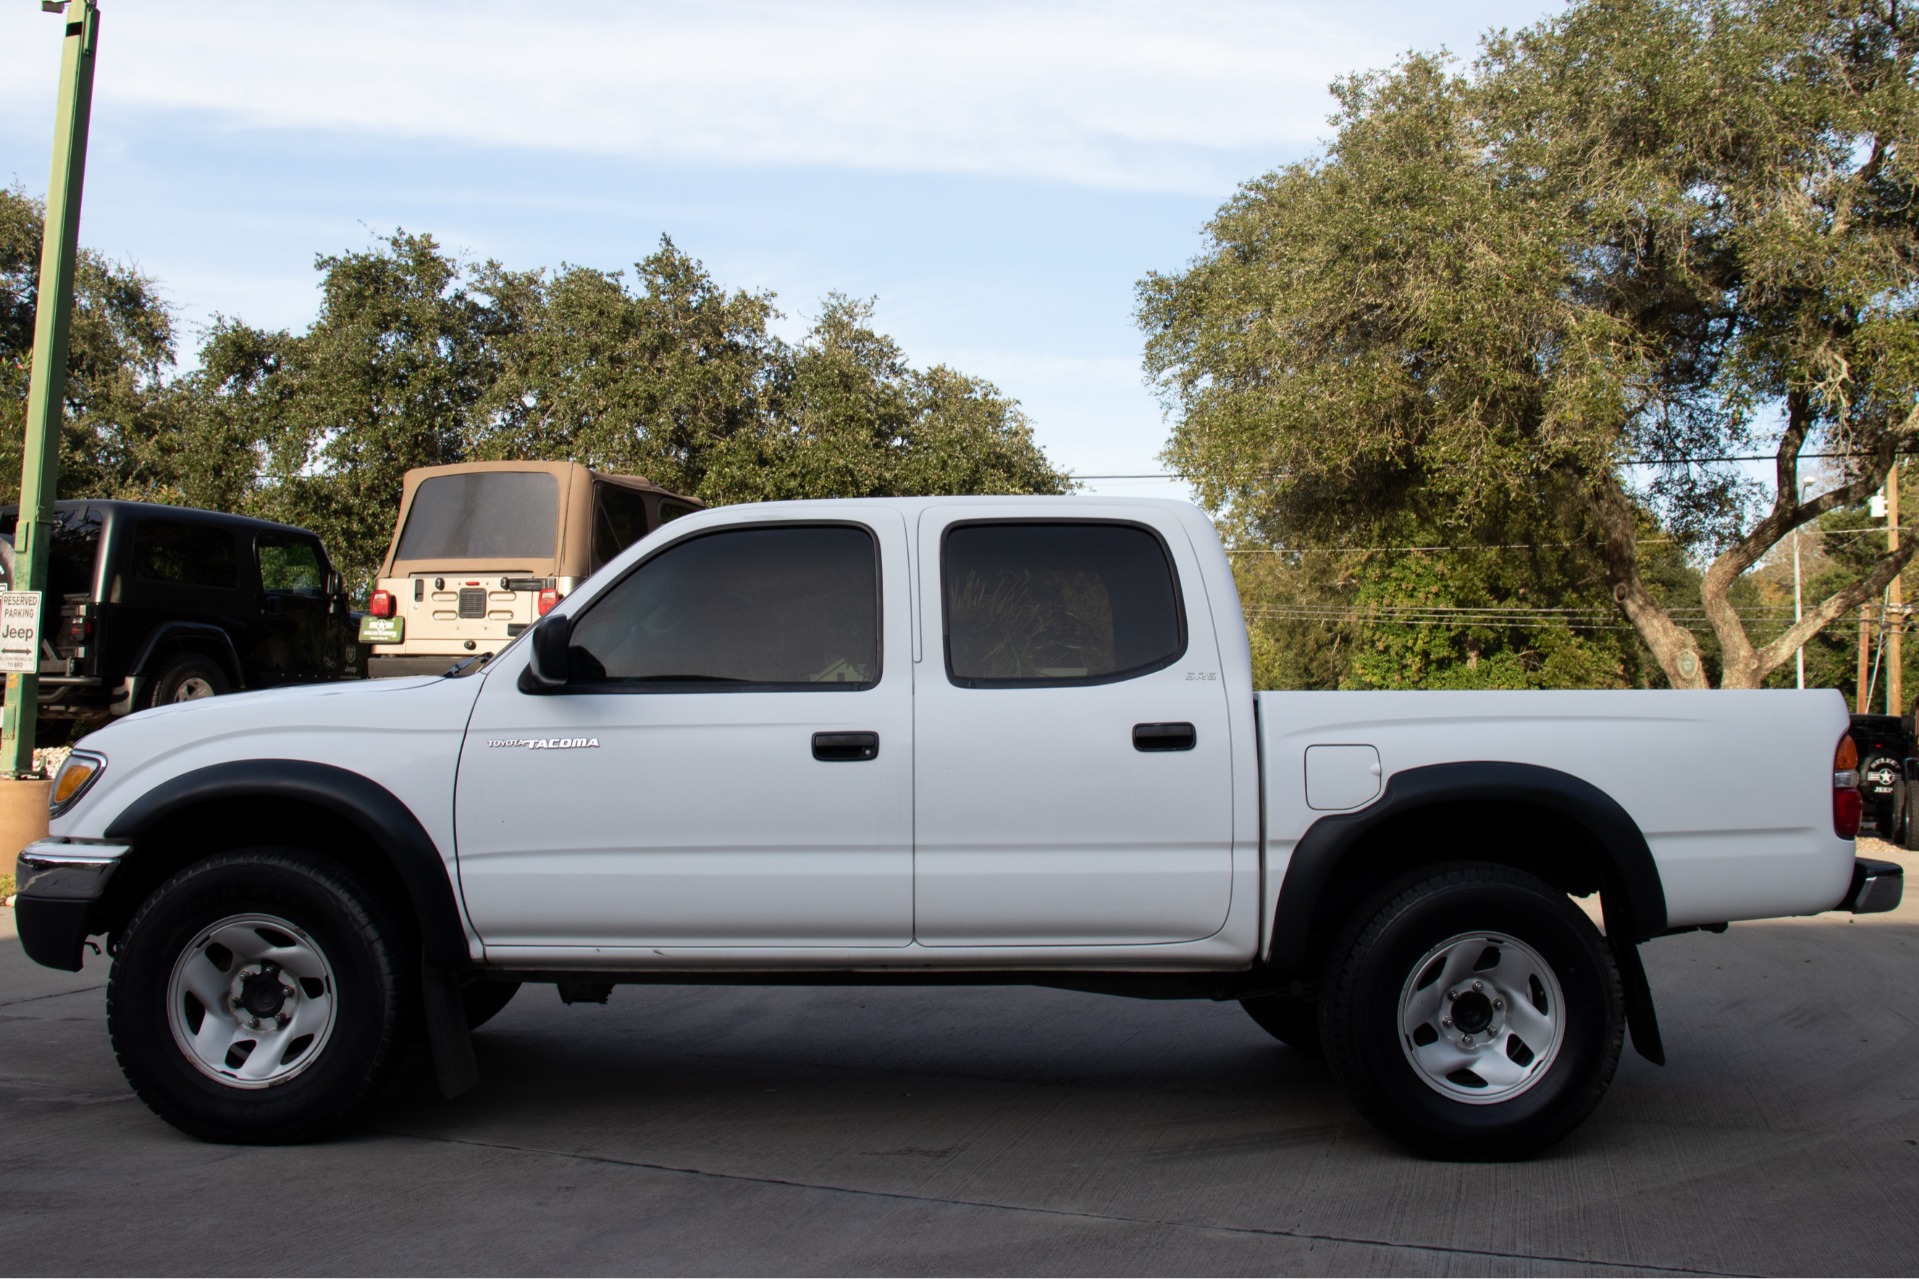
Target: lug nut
{"type": "Point", "coordinates": [1452, 994]}
{"type": "Point", "coordinates": [1498, 1004]}
{"type": "Point", "coordinates": [1467, 1041]}
{"type": "Point", "coordinates": [1476, 986]}
{"type": "Point", "coordinates": [1446, 1021]}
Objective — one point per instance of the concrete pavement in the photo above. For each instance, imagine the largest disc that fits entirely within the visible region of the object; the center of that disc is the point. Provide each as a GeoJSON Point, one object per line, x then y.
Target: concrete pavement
{"type": "Point", "coordinates": [984, 1131]}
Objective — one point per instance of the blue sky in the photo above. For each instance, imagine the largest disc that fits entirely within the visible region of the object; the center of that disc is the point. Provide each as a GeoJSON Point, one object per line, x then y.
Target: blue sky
{"type": "Point", "coordinates": [997, 176]}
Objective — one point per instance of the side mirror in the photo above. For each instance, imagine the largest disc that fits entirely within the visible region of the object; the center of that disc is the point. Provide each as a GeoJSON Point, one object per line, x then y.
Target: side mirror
{"type": "Point", "coordinates": [335, 584]}
{"type": "Point", "coordinates": [546, 660]}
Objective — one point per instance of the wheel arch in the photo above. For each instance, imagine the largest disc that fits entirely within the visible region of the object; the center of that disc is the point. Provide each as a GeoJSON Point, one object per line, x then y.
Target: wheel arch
{"type": "Point", "coordinates": [188, 637]}
{"type": "Point", "coordinates": [298, 803]}
{"type": "Point", "coordinates": [1481, 810]}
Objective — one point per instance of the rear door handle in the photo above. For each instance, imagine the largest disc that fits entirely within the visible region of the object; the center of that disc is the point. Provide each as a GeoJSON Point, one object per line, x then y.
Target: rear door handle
{"type": "Point", "coordinates": [846, 746]}
{"type": "Point", "coordinates": [1164, 737]}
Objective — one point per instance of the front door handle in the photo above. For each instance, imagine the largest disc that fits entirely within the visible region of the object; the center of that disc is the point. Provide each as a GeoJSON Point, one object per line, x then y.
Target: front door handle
{"type": "Point", "coordinates": [846, 746]}
{"type": "Point", "coordinates": [1164, 737]}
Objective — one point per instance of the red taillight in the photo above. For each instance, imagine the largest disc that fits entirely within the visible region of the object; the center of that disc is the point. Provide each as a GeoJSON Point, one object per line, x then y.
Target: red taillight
{"type": "Point", "coordinates": [548, 598]}
{"type": "Point", "coordinates": [1847, 806]}
{"type": "Point", "coordinates": [380, 604]}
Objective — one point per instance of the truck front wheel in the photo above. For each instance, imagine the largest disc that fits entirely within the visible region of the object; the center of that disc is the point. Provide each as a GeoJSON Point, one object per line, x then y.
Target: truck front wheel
{"type": "Point", "coordinates": [1472, 1012]}
{"type": "Point", "coordinates": [260, 997]}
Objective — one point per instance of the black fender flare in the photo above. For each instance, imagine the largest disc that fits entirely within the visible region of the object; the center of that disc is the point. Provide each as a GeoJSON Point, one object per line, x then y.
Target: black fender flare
{"type": "Point", "coordinates": [387, 823]}
{"type": "Point", "coordinates": [197, 632]}
{"type": "Point", "coordinates": [1633, 898]}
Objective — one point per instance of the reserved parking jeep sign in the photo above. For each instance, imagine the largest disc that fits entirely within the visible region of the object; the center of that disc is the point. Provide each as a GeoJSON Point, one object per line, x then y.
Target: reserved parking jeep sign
{"type": "Point", "coordinates": [19, 631]}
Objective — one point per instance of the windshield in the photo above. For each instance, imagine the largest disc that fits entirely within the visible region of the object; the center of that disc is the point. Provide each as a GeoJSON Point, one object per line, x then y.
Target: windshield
{"type": "Point", "coordinates": [483, 515]}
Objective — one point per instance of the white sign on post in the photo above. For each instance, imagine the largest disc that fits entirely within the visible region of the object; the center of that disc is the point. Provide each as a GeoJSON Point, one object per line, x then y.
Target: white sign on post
{"type": "Point", "coordinates": [19, 631]}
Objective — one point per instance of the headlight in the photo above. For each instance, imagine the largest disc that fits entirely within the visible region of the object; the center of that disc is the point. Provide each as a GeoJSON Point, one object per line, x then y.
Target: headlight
{"type": "Point", "coordinates": [80, 771]}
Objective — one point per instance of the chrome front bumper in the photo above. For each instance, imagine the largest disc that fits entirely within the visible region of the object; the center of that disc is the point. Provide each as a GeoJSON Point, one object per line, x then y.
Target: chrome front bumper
{"type": "Point", "coordinates": [66, 869]}
{"type": "Point", "coordinates": [58, 882]}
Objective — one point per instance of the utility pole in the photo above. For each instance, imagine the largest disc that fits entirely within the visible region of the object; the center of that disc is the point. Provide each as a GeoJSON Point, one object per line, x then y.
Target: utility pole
{"type": "Point", "coordinates": [1895, 614]}
{"type": "Point", "coordinates": [52, 324]}
{"type": "Point", "coordinates": [1862, 690]}
{"type": "Point", "coordinates": [1798, 606]}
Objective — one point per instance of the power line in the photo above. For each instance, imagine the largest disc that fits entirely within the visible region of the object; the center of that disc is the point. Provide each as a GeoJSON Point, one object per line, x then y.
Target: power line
{"type": "Point", "coordinates": [1631, 461]}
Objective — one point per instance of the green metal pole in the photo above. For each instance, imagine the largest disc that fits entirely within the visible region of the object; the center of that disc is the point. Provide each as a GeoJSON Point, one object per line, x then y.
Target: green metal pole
{"type": "Point", "coordinates": [46, 392]}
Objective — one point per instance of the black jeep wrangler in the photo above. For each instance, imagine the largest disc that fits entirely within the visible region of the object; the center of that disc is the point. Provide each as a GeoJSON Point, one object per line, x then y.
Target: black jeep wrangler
{"type": "Point", "coordinates": [1887, 781]}
{"type": "Point", "coordinates": [149, 604]}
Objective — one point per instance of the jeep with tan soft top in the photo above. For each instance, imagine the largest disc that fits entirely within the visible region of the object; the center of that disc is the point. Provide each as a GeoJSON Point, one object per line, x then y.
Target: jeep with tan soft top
{"type": "Point", "coordinates": [482, 550]}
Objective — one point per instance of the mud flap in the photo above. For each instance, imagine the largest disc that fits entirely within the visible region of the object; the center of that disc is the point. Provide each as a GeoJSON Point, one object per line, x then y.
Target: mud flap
{"type": "Point", "coordinates": [1641, 1020]}
{"type": "Point", "coordinates": [446, 1033]}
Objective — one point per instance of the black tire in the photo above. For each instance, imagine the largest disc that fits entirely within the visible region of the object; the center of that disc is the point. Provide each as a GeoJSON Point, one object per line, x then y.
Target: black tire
{"type": "Point", "coordinates": [367, 998]}
{"type": "Point", "coordinates": [1402, 935]}
{"type": "Point", "coordinates": [1292, 1021]}
{"type": "Point", "coordinates": [185, 677]}
{"type": "Point", "coordinates": [484, 999]}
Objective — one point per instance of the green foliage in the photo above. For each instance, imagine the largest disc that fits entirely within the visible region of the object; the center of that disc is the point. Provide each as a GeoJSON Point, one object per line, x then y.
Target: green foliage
{"type": "Point", "coordinates": [1659, 229]}
{"type": "Point", "coordinates": [120, 347]}
{"type": "Point", "coordinates": [414, 360]}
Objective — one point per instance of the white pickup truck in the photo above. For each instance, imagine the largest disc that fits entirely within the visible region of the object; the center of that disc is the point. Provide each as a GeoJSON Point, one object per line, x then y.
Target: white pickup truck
{"type": "Point", "coordinates": [924, 741]}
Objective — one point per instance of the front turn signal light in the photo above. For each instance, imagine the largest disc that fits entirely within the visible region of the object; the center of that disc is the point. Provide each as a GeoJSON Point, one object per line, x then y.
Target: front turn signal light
{"type": "Point", "coordinates": [80, 771]}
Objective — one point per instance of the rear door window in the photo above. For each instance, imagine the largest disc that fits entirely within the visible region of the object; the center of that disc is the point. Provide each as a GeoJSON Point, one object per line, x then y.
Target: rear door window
{"type": "Point", "coordinates": [499, 515]}
{"type": "Point", "coordinates": [779, 608]}
{"type": "Point", "coordinates": [1038, 604]}
{"type": "Point", "coordinates": [184, 554]}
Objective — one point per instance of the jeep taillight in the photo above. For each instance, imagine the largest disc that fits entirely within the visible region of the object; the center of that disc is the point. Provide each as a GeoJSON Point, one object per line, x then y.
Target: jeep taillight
{"type": "Point", "coordinates": [380, 604]}
{"type": "Point", "coordinates": [548, 598]}
{"type": "Point", "coordinates": [1846, 804]}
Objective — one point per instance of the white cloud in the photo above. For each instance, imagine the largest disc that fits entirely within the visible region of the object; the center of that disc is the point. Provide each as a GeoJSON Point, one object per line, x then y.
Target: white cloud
{"type": "Point", "coordinates": [1126, 94]}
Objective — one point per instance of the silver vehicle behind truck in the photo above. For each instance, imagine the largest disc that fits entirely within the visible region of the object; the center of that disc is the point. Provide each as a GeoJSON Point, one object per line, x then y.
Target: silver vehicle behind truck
{"type": "Point", "coordinates": [482, 550]}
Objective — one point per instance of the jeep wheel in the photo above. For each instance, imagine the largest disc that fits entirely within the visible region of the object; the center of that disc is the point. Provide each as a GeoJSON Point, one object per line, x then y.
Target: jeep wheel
{"type": "Point", "coordinates": [260, 997]}
{"type": "Point", "coordinates": [1473, 1012]}
{"type": "Point", "coordinates": [187, 677]}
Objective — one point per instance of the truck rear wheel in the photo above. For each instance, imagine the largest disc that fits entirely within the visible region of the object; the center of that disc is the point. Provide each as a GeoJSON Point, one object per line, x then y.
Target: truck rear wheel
{"type": "Point", "coordinates": [1472, 1012]}
{"type": "Point", "coordinates": [261, 997]}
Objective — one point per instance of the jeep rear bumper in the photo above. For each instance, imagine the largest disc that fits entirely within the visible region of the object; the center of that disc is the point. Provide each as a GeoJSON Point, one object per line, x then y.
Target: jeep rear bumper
{"type": "Point", "coordinates": [59, 880]}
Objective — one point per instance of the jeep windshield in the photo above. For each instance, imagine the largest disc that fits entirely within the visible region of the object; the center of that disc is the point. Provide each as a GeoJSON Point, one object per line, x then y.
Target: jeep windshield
{"type": "Point", "coordinates": [505, 516]}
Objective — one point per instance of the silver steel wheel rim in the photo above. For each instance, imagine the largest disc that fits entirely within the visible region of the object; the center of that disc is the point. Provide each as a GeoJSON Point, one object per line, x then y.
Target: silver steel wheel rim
{"type": "Point", "coordinates": [1481, 1018]}
{"type": "Point", "coordinates": [192, 689]}
{"type": "Point", "coordinates": [251, 1001]}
